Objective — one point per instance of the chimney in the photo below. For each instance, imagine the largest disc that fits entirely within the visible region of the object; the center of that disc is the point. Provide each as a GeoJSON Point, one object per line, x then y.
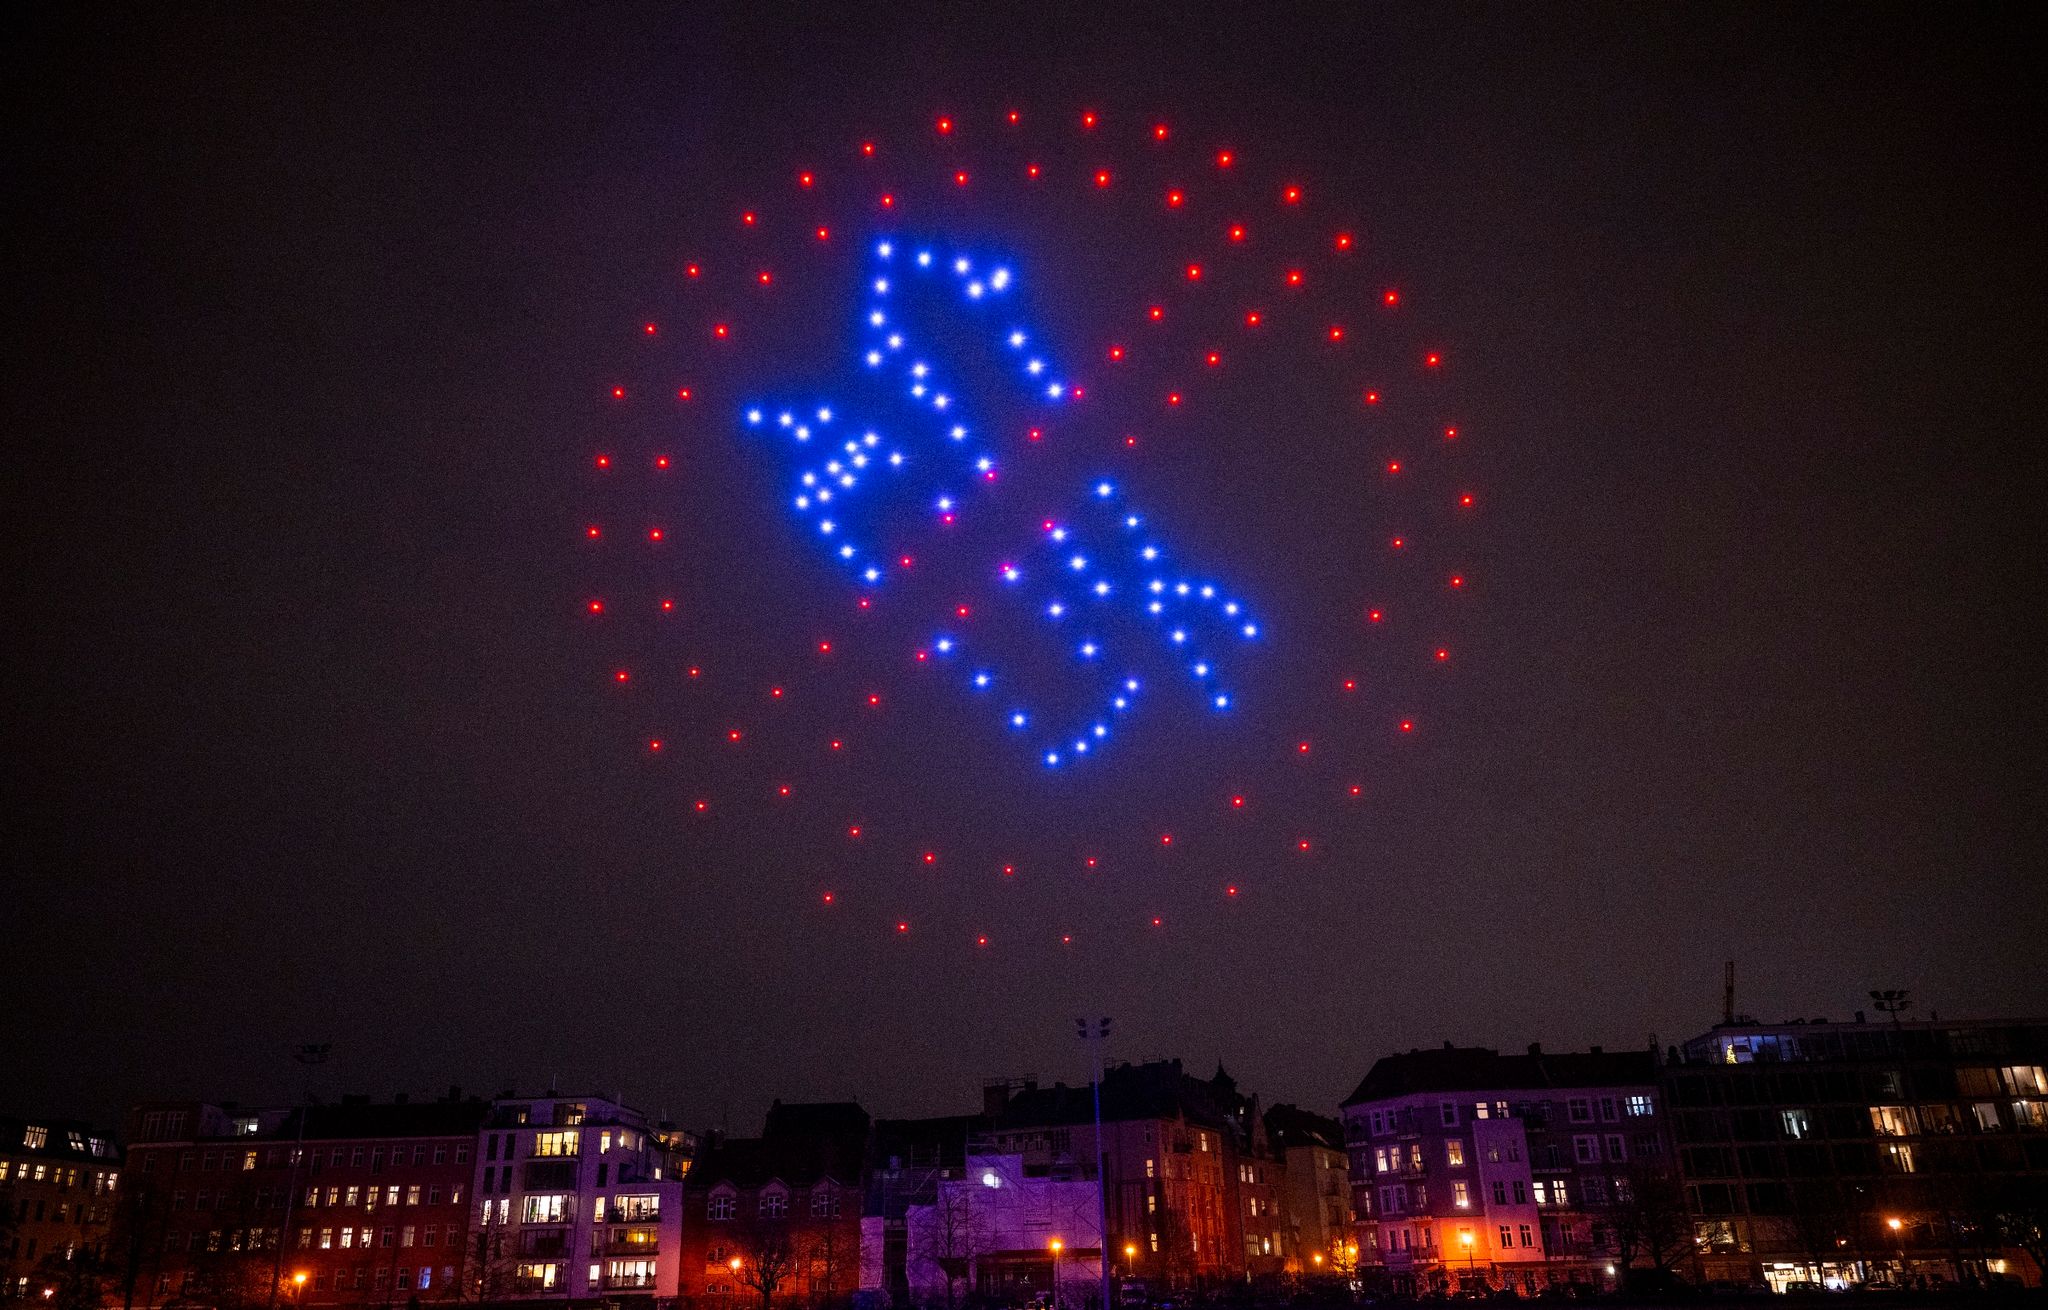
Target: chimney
{"type": "Point", "coordinates": [401, 1098]}
{"type": "Point", "coordinates": [1535, 1048]}
{"type": "Point", "coordinates": [995, 1098]}
{"type": "Point", "coordinates": [1598, 1051]}
{"type": "Point", "coordinates": [1860, 1018]}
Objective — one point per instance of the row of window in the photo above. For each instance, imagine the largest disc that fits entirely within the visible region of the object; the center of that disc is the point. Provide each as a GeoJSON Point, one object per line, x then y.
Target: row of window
{"type": "Point", "coordinates": [36, 1137]}
{"type": "Point", "coordinates": [316, 1157]}
{"type": "Point", "coordinates": [723, 1205]}
{"type": "Point", "coordinates": [57, 1176]}
{"type": "Point", "coordinates": [350, 1236]}
{"type": "Point", "coordinates": [1579, 1109]}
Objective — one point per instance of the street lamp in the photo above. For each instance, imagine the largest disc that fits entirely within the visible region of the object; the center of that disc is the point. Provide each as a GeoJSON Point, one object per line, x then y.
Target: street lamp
{"type": "Point", "coordinates": [1130, 1259]}
{"type": "Point", "coordinates": [1898, 1228]}
{"type": "Point", "coordinates": [1465, 1240]}
{"type": "Point", "coordinates": [1055, 1246]}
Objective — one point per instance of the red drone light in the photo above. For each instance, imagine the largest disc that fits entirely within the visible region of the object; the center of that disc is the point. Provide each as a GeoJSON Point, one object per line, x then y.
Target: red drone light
{"type": "Point", "coordinates": [931, 857]}
{"type": "Point", "coordinates": [591, 532]}
{"type": "Point", "coordinates": [654, 744]}
{"type": "Point", "coordinates": [1465, 501]}
{"type": "Point", "coordinates": [803, 179]}
{"type": "Point", "coordinates": [1116, 352]}
{"type": "Point", "coordinates": [1343, 241]}
{"type": "Point", "coordinates": [1237, 802]}
{"type": "Point", "coordinates": [782, 790]}
{"type": "Point", "coordinates": [775, 693]}
{"type": "Point", "coordinates": [720, 331]}
{"type": "Point", "coordinates": [1156, 313]}
{"type": "Point", "coordinates": [1031, 171]}
{"type": "Point", "coordinates": [1091, 861]}
{"type": "Point", "coordinates": [824, 234]}
{"type": "Point", "coordinates": [1398, 542]}
{"type": "Point", "coordinates": [1457, 580]}
{"type": "Point", "coordinates": [654, 534]}
{"type": "Point", "coordinates": [1301, 748]}
{"type": "Point", "coordinates": [867, 148]}
{"type": "Point", "coordinates": [1230, 891]}
{"type": "Point", "coordinates": [604, 461]}
{"type": "Point", "coordinates": [1166, 839]}
{"type": "Point", "coordinates": [945, 126]}
{"type": "Point", "coordinates": [1432, 359]}
{"type": "Point", "coordinates": [766, 277]}
{"type": "Point", "coordinates": [683, 393]}
{"type": "Point", "coordinates": [824, 648]}
{"type": "Point", "coordinates": [1351, 684]}
{"type": "Point", "coordinates": [902, 927]}
{"type": "Point", "coordinates": [618, 393]}
{"type": "Point", "coordinates": [888, 201]}
{"type": "Point", "coordinates": [1088, 119]}
{"type": "Point", "coordinates": [1013, 116]}
{"type": "Point", "coordinates": [1391, 296]}
{"type": "Point", "coordinates": [703, 806]}
{"type": "Point", "coordinates": [622, 676]}
{"type": "Point", "coordinates": [1252, 318]}
{"type": "Point", "coordinates": [732, 734]}
{"type": "Point", "coordinates": [1174, 199]}
{"type": "Point", "coordinates": [828, 898]}
{"type": "Point", "coordinates": [1301, 845]}
{"type": "Point", "coordinates": [597, 607]}
{"type": "Point", "coordinates": [1450, 434]}
{"type": "Point", "coordinates": [1442, 654]}
{"type": "Point", "coordinates": [981, 941]}
{"type": "Point", "coordinates": [1173, 398]}
{"type": "Point", "coordinates": [691, 270]}
{"type": "Point", "coordinates": [1407, 725]}
{"type": "Point", "coordinates": [696, 672]}
{"type": "Point", "coordinates": [649, 329]}
{"type": "Point", "coordinates": [747, 218]}
{"type": "Point", "coordinates": [1213, 359]}
{"type": "Point", "coordinates": [661, 461]}
{"type": "Point", "coordinates": [1224, 159]}
{"type": "Point", "coordinates": [1237, 234]}
{"type": "Point", "coordinates": [960, 178]}
{"type": "Point", "coordinates": [854, 831]}
{"type": "Point", "coordinates": [668, 606]}
{"type": "Point", "coordinates": [1357, 790]}
{"type": "Point", "coordinates": [1292, 195]}
{"type": "Point", "coordinates": [1293, 277]}
{"type": "Point", "coordinates": [1102, 177]}
{"type": "Point", "coordinates": [1336, 331]}
{"type": "Point", "coordinates": [1009, 870]}
{"type": "Point", "coordinates": [1393, 466]}
{"type": "Point", "coordinates": [1372, 397]}
{"type": "Point", "coordinates": [1159, 131]}
{"type": "Point", "coordinates": [1194, 272]}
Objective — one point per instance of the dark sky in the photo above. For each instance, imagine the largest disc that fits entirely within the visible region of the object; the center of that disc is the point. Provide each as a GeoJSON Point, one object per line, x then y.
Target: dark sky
{"type": "Point", "coordinates": [308, 741]}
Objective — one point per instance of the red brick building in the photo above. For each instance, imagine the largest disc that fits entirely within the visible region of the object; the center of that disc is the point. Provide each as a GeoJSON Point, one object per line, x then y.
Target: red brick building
{"type": "Point", "coordinates": [354, 1204]}
{"type": "Point", "coordinates": [57, 1180]}
{"type": "Point", "coordinates": [777, 1215]}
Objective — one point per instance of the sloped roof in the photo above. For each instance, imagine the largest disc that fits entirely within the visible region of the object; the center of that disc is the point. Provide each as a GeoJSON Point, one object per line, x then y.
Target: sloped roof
{"type": "Point", "coordinates": [1155, 1090]}
{"type": "Point", "coordinates": [1479, 1069]}
{"type": "Point", "coordinates": [1290, 1125]}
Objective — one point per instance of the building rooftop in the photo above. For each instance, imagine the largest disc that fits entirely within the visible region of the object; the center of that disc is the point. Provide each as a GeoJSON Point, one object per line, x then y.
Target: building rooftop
{"type": "Point", "coordinates": [1451, 1068]}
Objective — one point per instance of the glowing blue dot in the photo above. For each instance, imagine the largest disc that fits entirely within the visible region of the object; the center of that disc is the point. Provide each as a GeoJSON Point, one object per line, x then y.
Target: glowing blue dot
{"type": "Point", "coordinates": [1230, 607]}
{"type": "Point", "coordinates": [846, 552]}
{"type": "Point", "coordinates": [945, 502]}
{"type": "Point", "coordinates": [883, 250]}
{"type": "Point", "coordinates": [753, 416]}
{"type": "Point", "coordinates": [896, 458]}
{"type": "Point", "coordinates": [1155, 607]}
{"type": "Point", "coordinates": [917, 390]}
{"type": "Point", "coordinates": [1055, 609]}
{"type": "Point", "coordinates": [1102, 588]}
{"type": "Point", "coordinates": [1131, 522]}
{"type": "Point", "coordinates": [1150, 552]}
{"type": "Point", "coordinates": [1179, 635]}
{"type": "Point", "coordinates": [924, 259]}
{"type": "Point", "coordinates": [958, 433]}
{"type": "Point", "coordinates": [1223, 702]}
{"type": "Point", "coordinates": [1078, 563]}
{"type": "Point", "coordinates": [1120, 702]}
{"type": "Point", "coordinates": [939, 401]}
{"type": "Point", "coordinates": [1130, 684]}
{"type": "Point", "coordinates": [974, 290]}
{"type": "Point", "coordinates": [877, 318]}
{"type": "Point", "coordinates": [870, 439]}
{"type": "Point", "coordinates": [1180, 589]}
{"type": "Point", "coordinates": [1055, 391]}
{"type": "Point", "coordinates": [1103, 489]}
{"type": "Point", "coordinates": [981, 680]}
{"type": "Point", "coordinates": [825, 526]}
{"type": "Point", "coordinates": [1080, 748]}
{"type": "Point", "coordinates": [1251, 629]}
{"type": "Point", "coordinates": [1009, 574]}
{"type": "Point", "coordinates": [984, 464]}
{"type": "Point", "coordinates": [874, 359]}
{"type": "Point", "coordinates": [882, 286]}
{"type": "Point", "coordinates": [961, 265]}
{"type": "Point", "coordinates": [1088, 650]}
{"type": "Point", "coordinates": [999, 279]}
{"type": "Point", "coordinates": [895, 341]}
{"type": "Point", "coordinates": [1017, 340]}
{"type": "Point", "coordinates": [1035, 367]}
{"type": "Point", "coordinates": [1208, 593]}
{"type": "Point", "coordinates": [872, 574]}
{"type": "Point", "coordinates": [785, 419]}
{"type": "Point", "coordinates": [803, 502]}
{"type": "Point", "coordinates": [1201, 670]}
{"type": "Point", "coordinates": [1155, 586]}
{"type": "Point", "coordinates": [1101, 730]}
{"type": "Point", "coordinates": [944, 644]}
{"type": "Point", "coordinates": [1059, 534]}
{"type": "Point", "coordinates": [1017, 719]}
{"type": "Point", "coordinates": [1052, 759]}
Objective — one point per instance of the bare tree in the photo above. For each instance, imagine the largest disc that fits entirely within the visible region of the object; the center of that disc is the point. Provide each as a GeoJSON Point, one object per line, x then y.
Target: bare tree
{"type": "Point", "coordinates": [824, 1259]}
{"type": "Point", "coordinates": [1648, 1219]}
{"type": "Point", "coordinates": [491, 1268]}
{"type": "Point", "coordinates": [953, 1238]}
{"type": "Point", "coordinates": [767, 1257]}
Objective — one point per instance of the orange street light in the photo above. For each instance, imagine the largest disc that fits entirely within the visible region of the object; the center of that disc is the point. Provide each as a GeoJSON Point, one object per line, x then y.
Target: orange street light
{"type": "Point", "coordinates": [1893, 1224]}
{"type": "Point", "coordinates": [734, 1264]}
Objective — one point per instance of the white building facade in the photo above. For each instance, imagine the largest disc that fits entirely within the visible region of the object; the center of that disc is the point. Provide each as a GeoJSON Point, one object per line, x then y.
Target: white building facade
{"type": "Point", "coordinates": [1004, 1234]}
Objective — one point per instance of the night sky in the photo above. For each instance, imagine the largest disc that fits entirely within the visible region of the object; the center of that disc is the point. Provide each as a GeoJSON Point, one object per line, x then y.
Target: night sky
{"type": "Point", "coordinates": [316, 317]}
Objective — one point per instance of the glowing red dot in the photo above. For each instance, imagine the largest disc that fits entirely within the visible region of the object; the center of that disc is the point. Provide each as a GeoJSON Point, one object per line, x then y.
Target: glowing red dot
{"type": "Point", "coordinates": [828, 898]}
{"type": "Point", "coordinates": [945, 126]}
{"type": "Point", "coordinates": [981, 941]}
{"type": "Point", "coordinates": [732, 734]}
{"type": "Point", "coordinates": [597, 607]}
{"type": "Point", "coordinates": [765, 277]}
{"type": "Point", "coordinates": [863, 602]}
{"type": "Point", "coordinates": [888, 201]}
{"type": "Point", "coordinates": [654, 744]}
{"type": "Point", "coordinates": [1174, 199]}
{"type": "Point", "coordinates": [775, 693]}
{"type": "Point", "coordinates": [1237, 234]}
{"type": "Point", "coordinates": [682, 393]}
{"type": "Point", "coordinates": [1450, 434]}
{"type": "Point", "coordinates": [902, 927]}
{"type": "Point", "coordinates": [719, 331]}
{"type": "Point", "coordinates": [854, 831]}
{"type": "Point", "coordinates": [1432, 359]}
{"type": "Point", "coordinates": [691, 270]}
{"type": "Point", "coordinates": [1398, 542]}
{"type": "Point", "coordinates": [931, 857]}
{"type": "Point", "coordinates": [1336, 332]}
{"type": "Point", "coordinates": [824, 234]}
{"type": "Point", "coordinates": [668, 606]}
{"type": "Point", "coordinates": [649, 329]}
{"type": "Point", "coordinates": [1407, 725]}
{"type": "Point", "coordinates": [1173, 398]}
{"type": "Point", "coordinates": [1393, 466]}
{"type": "Point", "coordinates": [1457, 580]}
{"type": "Point", "coordinates": [1301, 748]}
{"type": "Point", "coordinates": [1009, 870]}
{"type": "Point", "coordinates": [961, 610]}
{"type": "Point", "coordinates": [1391, 296]}
{"type": "Point", "coordinates": [1036, 434]}
{"type": "Point", "coordinates": [874, 700]}
{"type": "Point", "coordinates": [1301, 845]}
{"type": "Point", "coordinates": [1066, 939]}
{"type": "Point", "coordinates": [1372, 397]}
{"type": "Point", "coordinates": [1343, 241]}
{"type": "Point", "coordinates": [1091, 861]}
{"type": "Point", "coordinates": [1088, 119]}
{"type": "Point", "coordinates": [1292, 195]}
{"type": "Point", "coordinates": [696, 672]}
{"type": "Point", "coordinates": [1101, 177]}
{"type": "Point", "coordinates": [1156, 312]}
{"type": "Point", "coordinates": [654, 534]}
{"type": "Point", "coordinates": [1224, 159]}
{"type": "Point", "coordinates": [1213, 359]}
{"type": "Point", "coordinates": [960, 178]}
{"type": "Point", "coordinates": [1166, 839]}
{"type": "Point", "coordinates": [1116, 352]}
{"type": "Point", "coordinates": [1230, 891]}
{"type": "Point", "coordinates": [604, 461]}
{"type": "Point", "coordinates": [1357, 790]}
{"type": "Point", "coordinates": [1253, 318]}
{"type": "Point", "coordinates": [905, 561]}
{"type": "Point", "coordinates": [747, 219]}
{"type": "Point", "coordinates": [782, 790]}
{"type": "Point", "coordinates": [1155, 921]}
{"type": "Point", "coordinates": [661, 461]}
{"type": "Point", "coordinates": [1442, 654]}
{"type": "Point", "coordinates": [1237, 802]}
{"type": "Point", "coordinates": [1159, 131]}
{"type": "Point", "coordinates": [803, 179]}
{"type": "Point", "coordinates": [1465, 501]}
{"type": "Point", "coordinates": [1293, 277]}
{"type": "Point", "coordinates": [1031, 171]}
{"type": "Point", "coordinates": [1351, 684]}
{"type": "Point", "coordinates": [1194, 272]}
{"type": "Point", "coordinates": [824, 648]}
{"type": "Point", "coordinates": [1130, 441]}
{"type": "Point", "coordinates": [618, 393]}
{"type": "Point", "coordinates": [622, 676]}
{"type": "Point", "coordinates": [1013, 116]}
{"type": "Point", "coordinates": [867, 148]}
{"type": "Point", "coordinates": [703, 806]}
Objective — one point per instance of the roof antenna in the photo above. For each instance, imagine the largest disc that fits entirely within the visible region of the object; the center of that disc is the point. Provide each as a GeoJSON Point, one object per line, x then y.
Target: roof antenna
{"type": "Point", "coordinates": [1728, 995]}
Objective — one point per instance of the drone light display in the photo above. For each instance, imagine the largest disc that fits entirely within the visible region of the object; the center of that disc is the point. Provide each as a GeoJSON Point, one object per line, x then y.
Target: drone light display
{"type": "Point", "coordinates": [962, 362]}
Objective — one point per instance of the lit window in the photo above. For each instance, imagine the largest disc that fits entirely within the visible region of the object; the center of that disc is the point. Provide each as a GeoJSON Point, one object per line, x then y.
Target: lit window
{"type": "Point", "coordinates": [1454, 1153]}
{"type": "Point", "coordinates": [558, 1143]}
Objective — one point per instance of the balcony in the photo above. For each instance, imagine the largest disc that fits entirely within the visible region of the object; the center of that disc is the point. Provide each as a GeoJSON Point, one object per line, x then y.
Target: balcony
{"type": "Point", "coordinates": [626, 1246]}
{"type": "Point", "coordinates": [626, 1282]}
